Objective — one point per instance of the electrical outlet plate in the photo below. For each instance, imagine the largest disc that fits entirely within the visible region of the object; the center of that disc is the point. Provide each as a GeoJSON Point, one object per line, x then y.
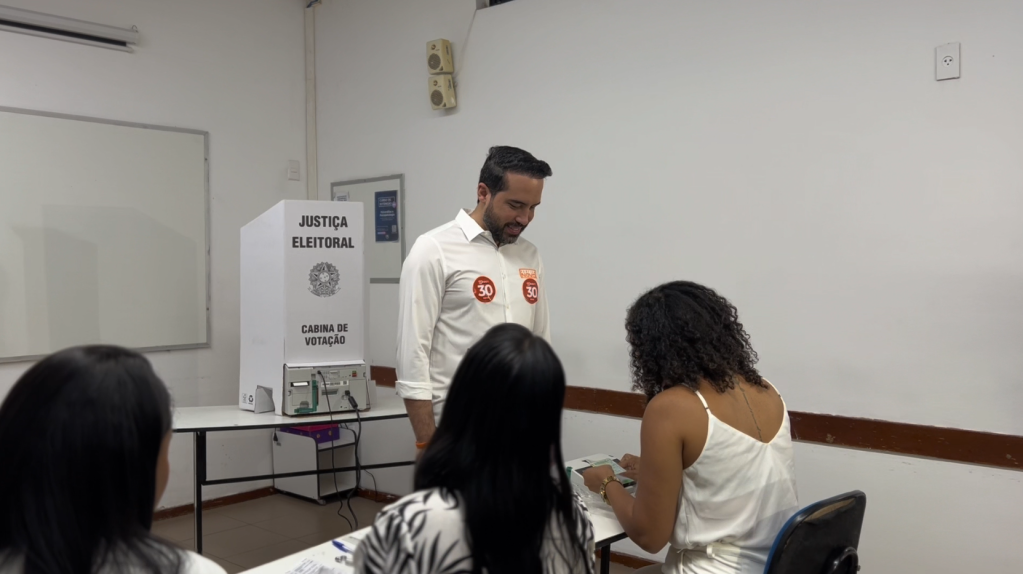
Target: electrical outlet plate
{"type": "Point", "coordinates": [946, 62]}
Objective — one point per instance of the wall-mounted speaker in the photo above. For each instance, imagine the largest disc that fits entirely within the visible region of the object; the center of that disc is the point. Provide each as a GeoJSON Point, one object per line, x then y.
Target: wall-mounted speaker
{"type": "Point", "coordinates": [438, 57]}
{"type": "Point", "coordinates": [442, 92]}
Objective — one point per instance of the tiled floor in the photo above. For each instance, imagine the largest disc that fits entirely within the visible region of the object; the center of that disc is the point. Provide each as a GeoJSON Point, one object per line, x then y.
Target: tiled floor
{"type": "Point", "coordinates": [249, 534]}
{"type": "Point", "coordinates": [618, 569]}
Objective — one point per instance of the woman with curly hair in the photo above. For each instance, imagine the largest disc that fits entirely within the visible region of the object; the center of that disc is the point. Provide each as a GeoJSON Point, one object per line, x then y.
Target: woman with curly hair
{"type": "Point", "coordinates": [717, 479]}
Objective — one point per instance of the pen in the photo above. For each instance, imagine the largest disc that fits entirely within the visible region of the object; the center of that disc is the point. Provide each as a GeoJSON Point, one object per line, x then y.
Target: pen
{"type": "Point", "coordinates": [341, 547]}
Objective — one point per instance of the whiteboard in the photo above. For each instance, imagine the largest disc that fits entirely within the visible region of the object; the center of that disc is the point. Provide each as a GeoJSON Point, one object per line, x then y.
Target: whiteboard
{"type": "Point", "coordinates": [104, 234]}
{"type": "Point", "coordinates": [385, 249]}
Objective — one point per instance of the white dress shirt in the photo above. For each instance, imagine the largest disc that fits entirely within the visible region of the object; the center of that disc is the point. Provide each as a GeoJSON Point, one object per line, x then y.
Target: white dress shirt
{"type": "Point", "coordinates": [455, 285]}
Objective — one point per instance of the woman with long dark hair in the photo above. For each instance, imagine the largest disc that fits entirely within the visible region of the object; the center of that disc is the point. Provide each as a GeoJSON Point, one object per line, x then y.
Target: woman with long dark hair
{"type": "Point", "coordinates": [491, 490]}
{"type": "Point", "coordinates": [716, 479]}
{"type": "Point", "coordinates": [84, 436]}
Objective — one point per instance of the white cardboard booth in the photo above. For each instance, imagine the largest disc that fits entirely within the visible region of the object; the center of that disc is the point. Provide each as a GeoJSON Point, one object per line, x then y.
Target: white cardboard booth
{"type": "Point", "coordinates": [303, 329]}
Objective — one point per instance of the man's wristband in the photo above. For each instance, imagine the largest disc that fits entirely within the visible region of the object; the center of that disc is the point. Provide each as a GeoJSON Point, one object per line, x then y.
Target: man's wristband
{"type": "Point", "coordinates": [422, 445]}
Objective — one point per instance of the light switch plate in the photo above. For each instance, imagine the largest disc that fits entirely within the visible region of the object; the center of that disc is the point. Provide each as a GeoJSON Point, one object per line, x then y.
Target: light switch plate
{"type": "Point", "coordinates": [293, 168]}
{"type": "Point", "coordinates": [946, 62]}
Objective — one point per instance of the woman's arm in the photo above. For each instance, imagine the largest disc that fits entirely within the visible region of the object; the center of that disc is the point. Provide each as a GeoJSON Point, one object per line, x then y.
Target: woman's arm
{"type": "Point", "coordinates": [649, 518]}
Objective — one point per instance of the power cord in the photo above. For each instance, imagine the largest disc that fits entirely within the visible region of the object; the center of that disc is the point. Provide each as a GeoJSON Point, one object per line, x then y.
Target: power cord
{"type": "Point", "coordinates": [371, 475]}
{"type": "Point", "coordinates": [358, 464]}
{"type": "Point", "coordinates": [375, 489]}
{"type": "Point", "coordinates": [333, 463]}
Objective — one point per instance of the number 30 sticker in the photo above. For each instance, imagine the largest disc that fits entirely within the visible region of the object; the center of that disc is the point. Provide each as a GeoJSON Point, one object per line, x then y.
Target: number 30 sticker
{"type": "Point", "coordinates": [531, 290]}
{"type": "Point", "coordinates": [484, 290]}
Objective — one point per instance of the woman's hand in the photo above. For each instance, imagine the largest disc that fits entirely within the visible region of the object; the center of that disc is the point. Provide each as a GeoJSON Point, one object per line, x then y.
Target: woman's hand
{"type": "Point", "coordinates": [630, 462]}
{"type": "Point", "coordinates": [594, 477]}
{"type": "Point", "coordinates": [631, 465]}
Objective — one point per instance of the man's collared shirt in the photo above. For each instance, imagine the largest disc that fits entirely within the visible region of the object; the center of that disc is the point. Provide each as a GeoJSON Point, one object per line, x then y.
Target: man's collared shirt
{"type": "Point", "coordinates": [455, 285]}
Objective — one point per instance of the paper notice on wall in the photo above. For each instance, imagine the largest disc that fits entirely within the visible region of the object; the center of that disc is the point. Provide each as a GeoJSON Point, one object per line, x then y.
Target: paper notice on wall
{"type": "Point", "coordinates": [386, 218]}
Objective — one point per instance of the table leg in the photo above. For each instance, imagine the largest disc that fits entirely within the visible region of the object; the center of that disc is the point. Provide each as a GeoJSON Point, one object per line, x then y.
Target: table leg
{"type": "Point", "coordinates": [199, 453]}
{"type": "Point", "coordinates": [605, 559]}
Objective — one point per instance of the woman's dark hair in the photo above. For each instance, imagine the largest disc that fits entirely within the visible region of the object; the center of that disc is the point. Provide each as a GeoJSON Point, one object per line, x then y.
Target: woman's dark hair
{"type": "Point", "coordinates": [506, 159]}
{"type": "Point", "coordinates": [498, 447]}
{"type": "Point", "coordinates": [80, 437]}
{"type": "Point", "coordinates": [682, 332]}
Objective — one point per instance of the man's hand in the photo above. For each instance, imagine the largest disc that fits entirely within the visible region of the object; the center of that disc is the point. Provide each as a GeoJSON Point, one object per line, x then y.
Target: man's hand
{"type": "Point", "coordinates": [420, 414]}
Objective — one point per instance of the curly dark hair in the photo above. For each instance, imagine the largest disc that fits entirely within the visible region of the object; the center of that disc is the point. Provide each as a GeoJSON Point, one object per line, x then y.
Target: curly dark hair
{"type": "Point", "coordinates": [682, 332]}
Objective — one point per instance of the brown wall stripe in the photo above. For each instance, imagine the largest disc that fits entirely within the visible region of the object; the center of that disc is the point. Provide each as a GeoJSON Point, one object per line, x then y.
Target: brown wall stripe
{"type": "Point", "coordinates": [185, 509]}
{"type": "Point", "coordinates": [956, 445]}
{"type": "Point", "coordinates": [376, 496]}
{"type": "Point", "coordinates": [605, 402]}
{"type": "Point", "coordinates": [384, 376]}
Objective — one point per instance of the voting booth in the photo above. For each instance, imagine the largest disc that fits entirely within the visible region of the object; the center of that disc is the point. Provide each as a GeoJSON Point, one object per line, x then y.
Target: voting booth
{"type": "Point", "coordinates": [303, 331]}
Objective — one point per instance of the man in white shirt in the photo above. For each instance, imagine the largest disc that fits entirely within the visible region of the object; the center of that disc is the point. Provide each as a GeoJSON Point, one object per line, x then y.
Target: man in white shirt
{"type": "Point", "coordinates": [467, 276]}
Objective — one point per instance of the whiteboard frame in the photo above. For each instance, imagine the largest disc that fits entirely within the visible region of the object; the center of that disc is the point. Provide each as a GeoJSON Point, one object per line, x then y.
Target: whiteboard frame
{"type": "Point", "coordinates": [338, 186]}
{"type": "Point", "coordinates": [206, 176]}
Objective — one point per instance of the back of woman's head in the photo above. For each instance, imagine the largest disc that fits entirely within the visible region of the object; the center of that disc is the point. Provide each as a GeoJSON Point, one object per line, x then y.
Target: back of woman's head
{"type": "Point", "coordinates": [681, 332]}
{"type": "Point", "coordinates": [80, 437]}
{"type": "Point", "coordinates": [498, 447]}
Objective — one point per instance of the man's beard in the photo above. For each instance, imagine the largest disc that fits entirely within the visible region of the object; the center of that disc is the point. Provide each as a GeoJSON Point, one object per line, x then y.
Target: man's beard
{"type": "Point", "coordinates": [496, 229]}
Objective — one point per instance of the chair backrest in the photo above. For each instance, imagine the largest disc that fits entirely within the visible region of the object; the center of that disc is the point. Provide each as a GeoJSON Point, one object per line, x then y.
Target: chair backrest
{"type": "Point", "coordinates": [821, 538]}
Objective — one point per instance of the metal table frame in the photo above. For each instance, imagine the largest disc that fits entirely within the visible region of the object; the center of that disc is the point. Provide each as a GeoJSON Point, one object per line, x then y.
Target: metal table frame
{"type": "Point", "coordinates": [605, 551]}
{"type": "Point", "coordinates": [386, 408]}
{"type": "Point", "coordinates": [238, 422]}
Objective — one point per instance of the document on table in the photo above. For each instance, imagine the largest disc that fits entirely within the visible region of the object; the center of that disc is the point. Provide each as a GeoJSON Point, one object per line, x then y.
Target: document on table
{"type": "Point", "coordinates": [340, 559]}
{"type": "Point", "coordinates": [310, 566]}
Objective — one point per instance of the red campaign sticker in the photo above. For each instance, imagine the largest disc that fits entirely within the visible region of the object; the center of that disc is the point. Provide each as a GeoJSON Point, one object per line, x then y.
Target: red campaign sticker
{"type": "Point", "coordinates": [531, 290]}
{"type": "Point", "coordinates": [484, 289]}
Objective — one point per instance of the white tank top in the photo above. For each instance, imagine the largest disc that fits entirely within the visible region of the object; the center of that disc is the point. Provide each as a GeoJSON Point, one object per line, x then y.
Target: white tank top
{"type": "Point", "coordinates": [734, 500]}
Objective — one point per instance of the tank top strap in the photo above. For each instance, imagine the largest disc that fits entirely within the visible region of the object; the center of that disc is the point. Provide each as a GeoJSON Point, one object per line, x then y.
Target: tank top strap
{"type": "Point", "coordinates": [702, 400]}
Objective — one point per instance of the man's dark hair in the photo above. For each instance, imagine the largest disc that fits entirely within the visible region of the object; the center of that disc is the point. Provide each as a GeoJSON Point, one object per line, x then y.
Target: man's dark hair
{"type": "Point", "coordinates": [506, 159]}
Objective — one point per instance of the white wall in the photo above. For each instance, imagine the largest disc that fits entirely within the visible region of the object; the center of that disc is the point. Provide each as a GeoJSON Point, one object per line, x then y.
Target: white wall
{"type": "Point", "coordinates": [234, 68]}
{"type": "Point", "coordinates": [797, 155]}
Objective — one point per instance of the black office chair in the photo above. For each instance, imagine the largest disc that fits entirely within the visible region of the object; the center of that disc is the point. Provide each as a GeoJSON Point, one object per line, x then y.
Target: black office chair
{"type": "Point", "coordinates": [821, 538]}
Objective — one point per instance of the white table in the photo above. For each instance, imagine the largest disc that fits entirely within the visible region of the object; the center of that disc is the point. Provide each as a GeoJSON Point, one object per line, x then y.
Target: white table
{"type": "Point", "coordinates": [325, 553]}
{"type": "Point", "coordinates": [606, 528]}
{"type": "Point", "coordinates": [605, 531]}
{"type": "Point", "coordinates": [201, 420]}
